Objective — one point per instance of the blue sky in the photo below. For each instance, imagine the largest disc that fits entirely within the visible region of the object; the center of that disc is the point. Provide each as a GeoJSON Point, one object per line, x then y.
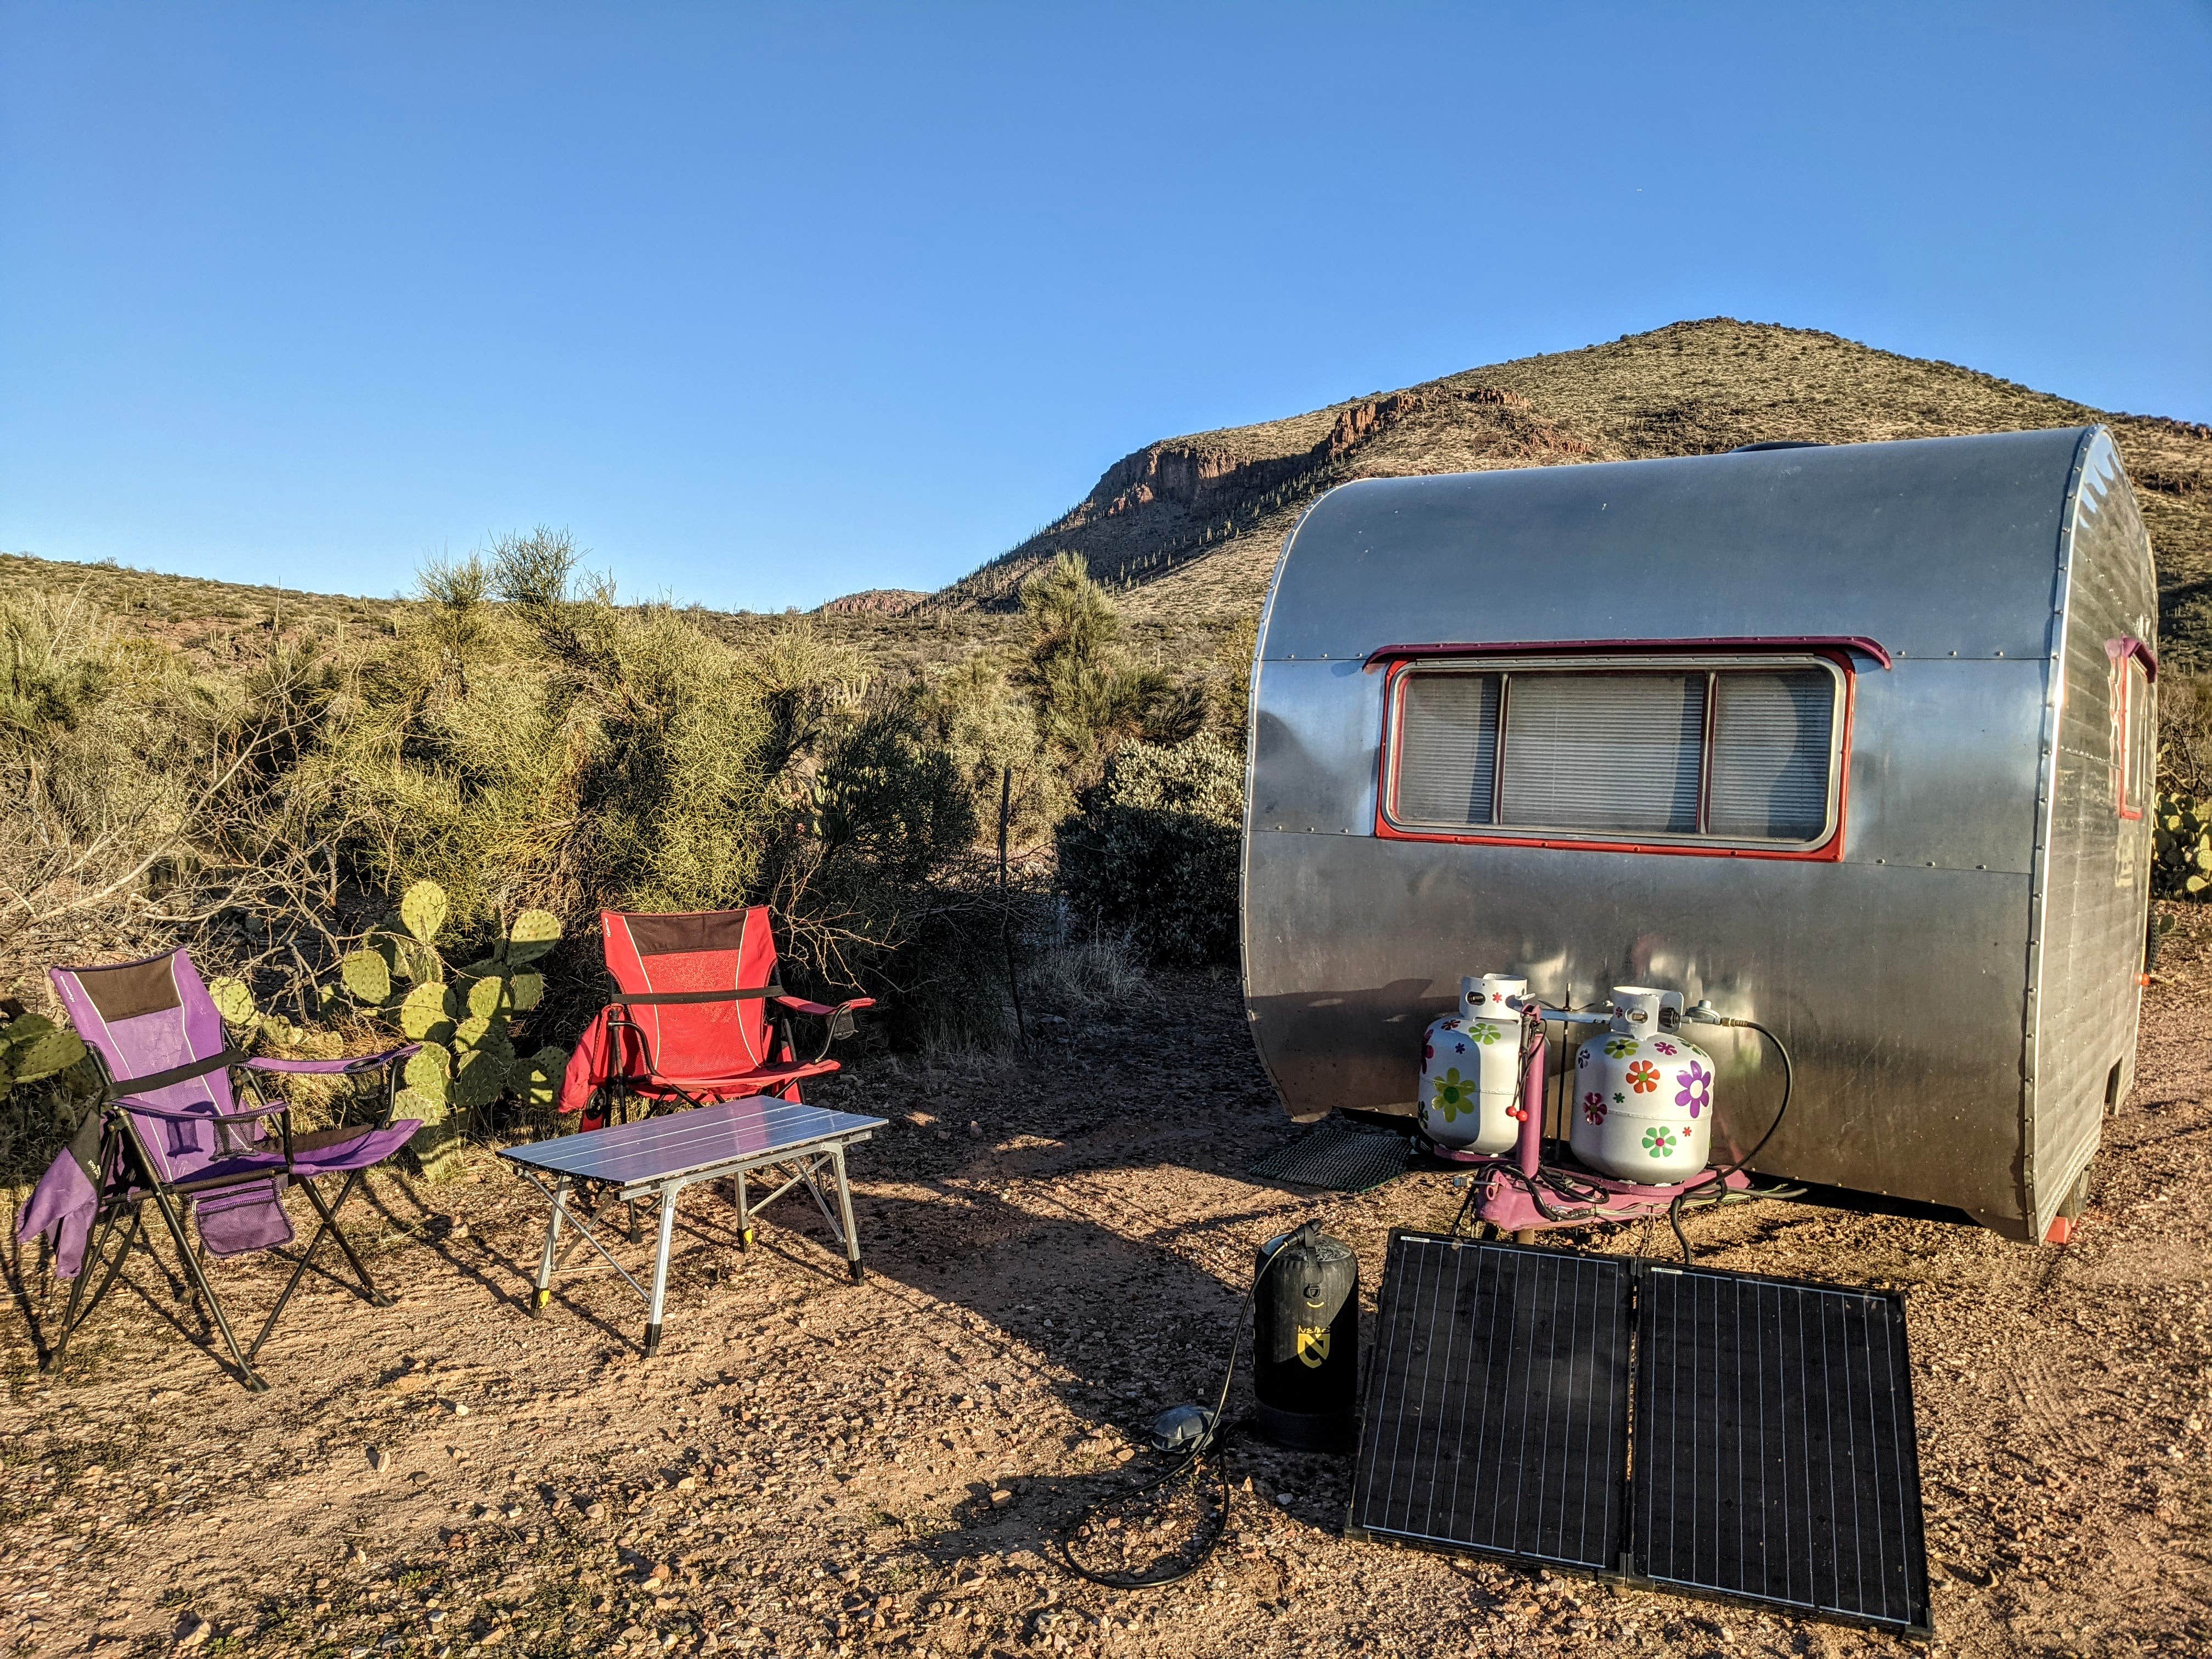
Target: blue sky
{"type": "Point", "coordinates": [767, 304]}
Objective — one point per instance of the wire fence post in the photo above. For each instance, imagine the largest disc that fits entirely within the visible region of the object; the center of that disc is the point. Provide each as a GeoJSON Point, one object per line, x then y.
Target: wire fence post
{"type": "Point", "coordinates": [1006, 905]}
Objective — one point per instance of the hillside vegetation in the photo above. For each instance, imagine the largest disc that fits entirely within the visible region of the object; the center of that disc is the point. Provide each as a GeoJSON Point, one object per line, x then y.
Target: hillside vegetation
{"type": "Point", "coordinates": [1190, 526]}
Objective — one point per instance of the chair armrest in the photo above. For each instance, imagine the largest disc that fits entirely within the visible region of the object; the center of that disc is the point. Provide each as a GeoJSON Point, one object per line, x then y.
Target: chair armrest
{"type": "Point", "coordinates": [353, 1063]}
{"type": "Point", "coordinates": [837, 1021]}
{"type": "Point", "coordinates": [822, 1010]}
{"type": "Point", "coordinates": [282, 1108]}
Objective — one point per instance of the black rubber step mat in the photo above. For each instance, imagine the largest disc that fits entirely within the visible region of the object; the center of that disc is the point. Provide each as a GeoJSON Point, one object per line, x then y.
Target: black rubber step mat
{"type": "Point", "coordinates": [1337, 1155]}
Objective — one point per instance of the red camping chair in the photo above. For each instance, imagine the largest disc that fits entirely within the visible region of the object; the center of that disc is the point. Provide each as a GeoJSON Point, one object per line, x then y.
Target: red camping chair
{"type": "Point", "coordinates": [699, 1016]}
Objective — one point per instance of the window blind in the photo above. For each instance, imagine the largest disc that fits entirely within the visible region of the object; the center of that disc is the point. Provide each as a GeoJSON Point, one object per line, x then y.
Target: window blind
{"type": "Point", "coordinates": [1604, 751]}
{"type": "Point", "coordinates": [1448, 750]}
{"type": "Point", "coordinates": [1772, 737]}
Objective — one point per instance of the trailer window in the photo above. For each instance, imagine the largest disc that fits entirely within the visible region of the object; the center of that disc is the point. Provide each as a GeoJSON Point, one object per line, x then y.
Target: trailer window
{"type": "Point", "coordinates": [1745, 755]}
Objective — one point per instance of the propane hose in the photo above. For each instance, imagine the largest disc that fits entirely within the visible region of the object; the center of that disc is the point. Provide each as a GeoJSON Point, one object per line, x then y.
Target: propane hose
{"type": "Point", "coordinates": [1704, 1015]}
{"type": "Point", "coordinates": [1206, 1448]}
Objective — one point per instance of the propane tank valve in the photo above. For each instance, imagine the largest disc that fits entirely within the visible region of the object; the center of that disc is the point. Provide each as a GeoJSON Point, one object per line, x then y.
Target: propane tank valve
{"type": "Point", "coordinates": [1706, 1014]}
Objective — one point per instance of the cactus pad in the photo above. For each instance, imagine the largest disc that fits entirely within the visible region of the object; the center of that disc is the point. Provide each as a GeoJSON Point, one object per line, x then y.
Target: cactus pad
{"type": "Point", "coordinates": [534, 934]}
{"type": "Point", "coordinates": [427, 1073]}
{"type": "Point", "coordinates": [234, 1003]}
{"type": "Point", "coordinates": [423, 911]}
{"type": "Point", "coordinates": [35, 1048]}
{"type": "Point", "coordinates": [427, 1016]}
{"type": "Point", "coordinates": [367, 974]}
{"type": "Point", "coordinates": [484, 997]}
{"type": "Point", "coordinates": [477, 1080]}
{"type": "Point", "coordinates": [526, 989]}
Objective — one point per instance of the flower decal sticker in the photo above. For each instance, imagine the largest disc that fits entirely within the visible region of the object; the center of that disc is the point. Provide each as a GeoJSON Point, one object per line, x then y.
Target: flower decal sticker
{"type": "Point", "coordinates": [1697, 1088]}
{"type": "Point", "coordinates": [1455, 1094]}
{"type": "Point", "coordinates": [1594, 1107]}
{"type": "Point", "coordinates": [1643, 1077]}
{"type": "Point", "coordinates": [1620, 1047]}
{"type": "Point", "coordinates": [1581, 1058]}
{"type": "Point", "coordinates": [1618, 1099]}
{"type": "Point", "coordinates": [1658, 1142]}
{"type": "Point", "coordinates": [1662, 1048]}
{"type": "Point", "coordinates": [1485, 1034]}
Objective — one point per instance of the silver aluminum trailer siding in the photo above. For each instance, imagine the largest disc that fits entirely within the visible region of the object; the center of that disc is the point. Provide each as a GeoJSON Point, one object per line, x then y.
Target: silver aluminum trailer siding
{"type": "Point", "coordinates": [1956, 978]}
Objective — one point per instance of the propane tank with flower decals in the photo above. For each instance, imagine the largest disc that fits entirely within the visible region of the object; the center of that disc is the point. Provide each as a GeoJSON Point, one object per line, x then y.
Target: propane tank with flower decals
{"type": "Point", "coordinates": [1471, 1070]}
{"type": "Point", "coordinates": [1642, 1093]}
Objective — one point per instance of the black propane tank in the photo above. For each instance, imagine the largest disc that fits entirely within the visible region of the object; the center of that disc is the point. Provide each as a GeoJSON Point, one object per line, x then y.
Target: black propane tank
{"type": "Point", "coordinates": [1305, 1341]}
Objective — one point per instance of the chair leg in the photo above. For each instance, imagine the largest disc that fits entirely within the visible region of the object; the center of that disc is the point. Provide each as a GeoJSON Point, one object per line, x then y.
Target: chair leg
{"type": "Point", "coordinates": [86, 1268]}
{"type": "Point", "coordinates": [115, 1266]}
{"type": "Point", "coordinates": [247, 1374]}
{"type": "Point", "coordinates": [660, 1270]}
{"type": "Point", "coordinates": [845, 1207]}
{"type": "Point", "coordinates": [329, 1228]}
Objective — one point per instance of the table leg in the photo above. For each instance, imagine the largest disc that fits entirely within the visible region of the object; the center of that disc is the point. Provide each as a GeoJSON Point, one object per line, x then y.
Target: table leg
{"type": "Point", "coordinates": [660, 1269]}
{"type": "Point", "coordinates": [544, 1294]}
{"type": "Point", "coordinates": [845, 1208]}
{"type": "Point", "coordinates": [744, 1215]}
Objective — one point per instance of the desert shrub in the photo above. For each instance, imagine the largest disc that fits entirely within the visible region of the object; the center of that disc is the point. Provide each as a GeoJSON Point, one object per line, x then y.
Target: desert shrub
{"type": "Point", "coordinates": [1089, 699]}
{"type": "Point", "coordinates": [1083, 970]}
{"type": "Point", "coordinates": [1153, 850]}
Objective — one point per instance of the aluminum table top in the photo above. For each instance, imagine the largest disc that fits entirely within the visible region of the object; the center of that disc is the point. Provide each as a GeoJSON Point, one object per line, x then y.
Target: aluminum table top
{"type": "Point", "coordinates": [680, 1144]}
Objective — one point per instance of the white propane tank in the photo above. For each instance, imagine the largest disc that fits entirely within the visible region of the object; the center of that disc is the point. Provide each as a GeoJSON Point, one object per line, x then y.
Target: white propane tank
{"type": "Point", "coordinates": [1644, 1098]}
{"type": "Point", "coordinates": [1471, 1069]}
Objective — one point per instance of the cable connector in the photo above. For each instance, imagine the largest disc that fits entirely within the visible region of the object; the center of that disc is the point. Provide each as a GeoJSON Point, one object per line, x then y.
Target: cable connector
{"type": "Point", "coordinates": [1706, 1014]}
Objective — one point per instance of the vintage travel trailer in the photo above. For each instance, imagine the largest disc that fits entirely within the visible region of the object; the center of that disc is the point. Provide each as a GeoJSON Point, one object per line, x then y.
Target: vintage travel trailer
{"type": "Point", "coordinates": [1856, 741]}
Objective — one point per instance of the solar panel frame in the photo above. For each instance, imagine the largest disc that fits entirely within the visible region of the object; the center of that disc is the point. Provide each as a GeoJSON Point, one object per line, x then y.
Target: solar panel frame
{"type": "Point", "coordinates": [1829, 1395]}
{"type": "Point", "coordinates": [1690, 1342]}
{"type": "Point", "coordinates": [1545, 1408]}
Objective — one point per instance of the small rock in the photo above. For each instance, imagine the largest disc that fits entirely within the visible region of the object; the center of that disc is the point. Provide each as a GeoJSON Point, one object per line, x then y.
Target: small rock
{"type": "Point", "coordinates": [688, 1482]}
{"type": "Point", "coordinates": [595, 1511]}
{"type": "Point", "coordinates": [378, 1459]}
{"type": "Point", "coordinates": [457, 1409]}
{"type": "Point", "coordinates": [1000, 1497]}
{"type": "Point", "coordinates": [193, 1631]}
{"type": "Point", "coordinates": [975, 1129]}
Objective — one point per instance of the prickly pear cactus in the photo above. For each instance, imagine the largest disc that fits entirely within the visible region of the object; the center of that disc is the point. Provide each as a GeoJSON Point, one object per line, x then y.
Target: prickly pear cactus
{"type": "Point", "coordinates": [2182, 847]}
{"type": "Point", "coordinates": [462, 1016]}
{"type": "Point", "coordinates": [32, 1048]}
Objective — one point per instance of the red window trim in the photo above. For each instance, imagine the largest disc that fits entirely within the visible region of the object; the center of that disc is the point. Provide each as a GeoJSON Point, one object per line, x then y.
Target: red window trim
{"type": "Point", "coordinates": [2121, 652]}
{"type": "Point", "coordinates": [1817, 644]}
{"type": "Point", "coordinates": [1835, 652]}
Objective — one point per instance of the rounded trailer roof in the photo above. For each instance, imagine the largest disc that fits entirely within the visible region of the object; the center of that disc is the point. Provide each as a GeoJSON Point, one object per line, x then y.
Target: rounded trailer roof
{"type": "Point", "coordinates": [1937, 547]}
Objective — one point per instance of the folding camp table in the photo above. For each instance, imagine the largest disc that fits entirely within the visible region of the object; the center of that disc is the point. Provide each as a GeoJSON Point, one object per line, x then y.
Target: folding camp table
{"type": "Point", "coordinates": [660, 1157]}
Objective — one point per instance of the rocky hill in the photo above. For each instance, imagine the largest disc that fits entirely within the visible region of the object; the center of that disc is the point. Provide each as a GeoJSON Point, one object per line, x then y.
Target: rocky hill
{"type": "Point", "coordinates": [1190, 526]}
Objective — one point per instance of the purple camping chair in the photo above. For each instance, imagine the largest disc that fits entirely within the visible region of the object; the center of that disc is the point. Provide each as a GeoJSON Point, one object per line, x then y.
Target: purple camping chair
{"type": "Point", "coordinates": [173, 1131]}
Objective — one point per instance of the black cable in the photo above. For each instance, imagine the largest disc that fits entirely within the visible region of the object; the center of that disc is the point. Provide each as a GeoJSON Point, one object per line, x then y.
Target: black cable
{"type": "Point", "coordinates": [1680, 1200]}
{"type": "Point", "coordinates": [1211, 1442]}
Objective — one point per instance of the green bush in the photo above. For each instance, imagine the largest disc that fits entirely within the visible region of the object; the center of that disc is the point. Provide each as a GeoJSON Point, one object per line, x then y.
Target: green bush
{"type": "Point", "coordinates": [1153, 849]}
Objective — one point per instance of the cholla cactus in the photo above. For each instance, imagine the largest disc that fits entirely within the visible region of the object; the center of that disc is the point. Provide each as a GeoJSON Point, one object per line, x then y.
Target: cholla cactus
{"type": "Point", "coordinates": [461, 1016]}
{"type": "Point", "coordinates": [2182, 847]}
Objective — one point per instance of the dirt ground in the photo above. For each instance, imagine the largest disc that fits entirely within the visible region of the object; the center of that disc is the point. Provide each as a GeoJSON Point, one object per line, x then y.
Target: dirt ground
{"type": "Point", "coordinates": [1057, 1246]}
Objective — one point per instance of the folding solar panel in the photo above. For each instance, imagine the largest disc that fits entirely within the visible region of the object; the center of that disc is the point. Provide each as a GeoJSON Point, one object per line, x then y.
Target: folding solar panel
{"type": "Point", "coordinates": [1775, 1452]}
{"type": "Point", "coordinates": [1497, 1402]}
{"type": "Point", "coordinates": [1771, 1454]}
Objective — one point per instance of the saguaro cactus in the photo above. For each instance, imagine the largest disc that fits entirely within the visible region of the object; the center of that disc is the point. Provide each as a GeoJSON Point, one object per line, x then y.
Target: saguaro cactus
{"type": "Point", "coordinates": [462, 1018]}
